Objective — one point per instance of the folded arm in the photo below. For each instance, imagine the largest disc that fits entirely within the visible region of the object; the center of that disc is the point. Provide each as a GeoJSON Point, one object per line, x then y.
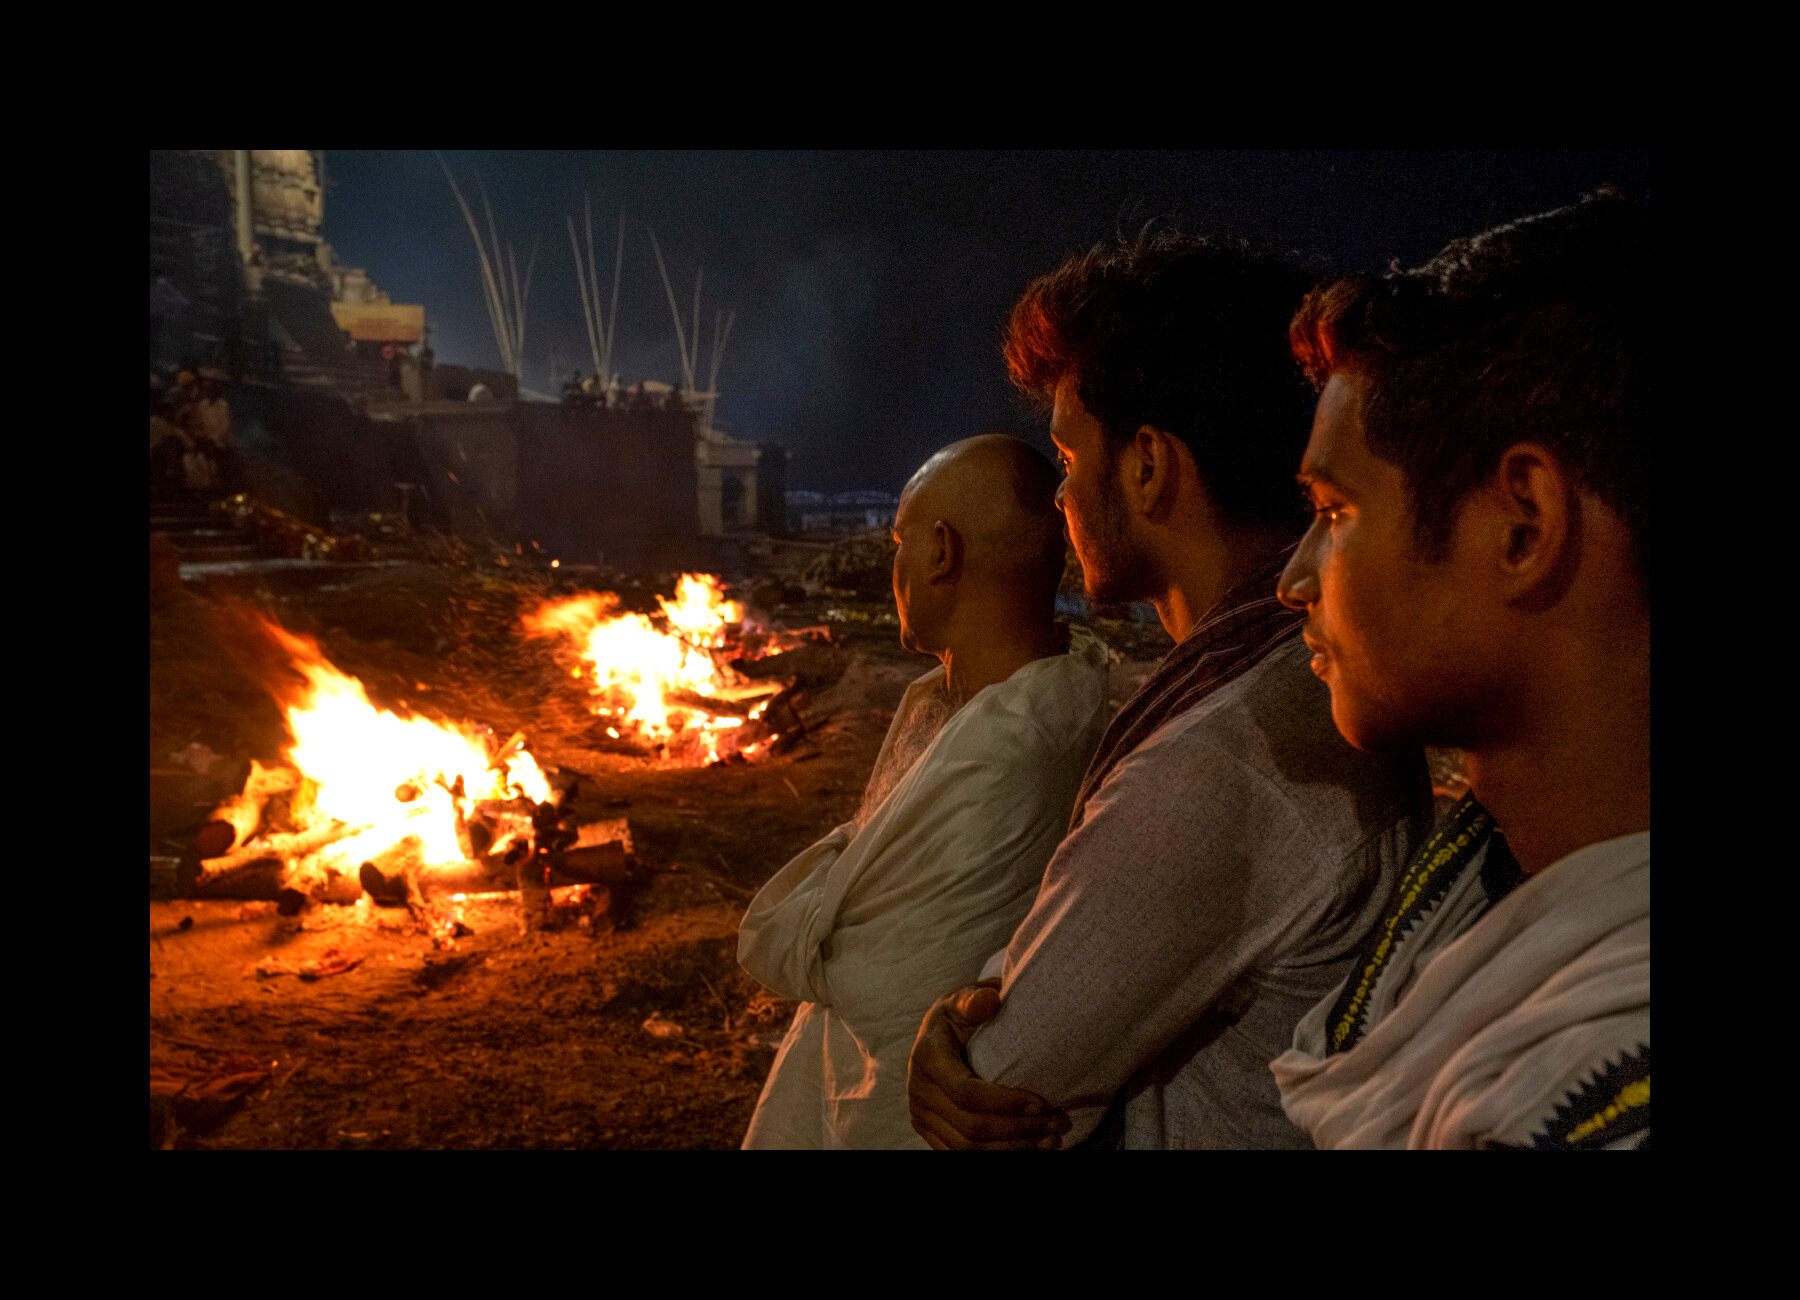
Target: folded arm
{"type": "Point", "coordinates": [779, 937]}
{"type": "Point", "coordinates": [1181, 878]}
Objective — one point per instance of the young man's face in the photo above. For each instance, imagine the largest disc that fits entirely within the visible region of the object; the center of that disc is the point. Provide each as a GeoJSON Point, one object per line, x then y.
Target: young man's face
{"type": "Point", "coordinates": [1389, 632]}
{"type": "Point", "coordinates": [1092, 503]}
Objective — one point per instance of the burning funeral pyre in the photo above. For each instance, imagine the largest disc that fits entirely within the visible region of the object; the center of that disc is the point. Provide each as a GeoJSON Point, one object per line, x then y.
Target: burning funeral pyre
{"type": "Point", "coordinates": [679, 688]}
{"type": "Point", "coordinates": [404, 809]}
{"type": "Point", "coordinates": [398, 807]}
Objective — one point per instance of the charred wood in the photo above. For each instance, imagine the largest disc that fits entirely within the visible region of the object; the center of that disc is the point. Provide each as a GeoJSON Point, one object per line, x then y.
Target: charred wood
{"type": "Point", "coordinates": [263, 879]}
{"type": "Point", "coordinates": [392, 875]}
{"type": "Point", "coordinates": [258, 878]}
{"type": "Point", "coordinates": [277, 846]}
{"type": "Point", "coordinates": [237, 819]}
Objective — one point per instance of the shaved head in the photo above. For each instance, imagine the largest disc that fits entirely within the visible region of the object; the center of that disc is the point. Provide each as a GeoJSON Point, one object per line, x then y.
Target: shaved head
{"type": "Point", "coordinates": [999, 494]}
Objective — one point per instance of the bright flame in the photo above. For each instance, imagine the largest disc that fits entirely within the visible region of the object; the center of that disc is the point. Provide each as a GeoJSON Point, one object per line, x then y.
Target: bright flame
{"type": "Point", "coordinates": [637, 666]}
{"type": "Point", "coordinates": [700, 613]}
{"type": "Point", "coordinates": [399, 776]}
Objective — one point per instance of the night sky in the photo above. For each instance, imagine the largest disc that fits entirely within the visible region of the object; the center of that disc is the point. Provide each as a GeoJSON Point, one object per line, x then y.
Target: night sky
{"type": "Point", "coordinates": [871, 288]}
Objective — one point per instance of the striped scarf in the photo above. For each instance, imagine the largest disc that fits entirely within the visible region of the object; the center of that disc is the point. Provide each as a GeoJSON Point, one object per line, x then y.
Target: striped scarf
{"type": "Point", "coordinates": [1245, 625]}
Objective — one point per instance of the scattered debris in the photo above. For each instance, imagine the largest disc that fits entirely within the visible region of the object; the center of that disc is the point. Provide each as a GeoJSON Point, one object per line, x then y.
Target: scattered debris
{"type": "Point", "coordinates": [657, 1027]}
{"type": "Point", "coordinates": [332, 961]}
{"type": "Point", "coordinates": [187, 1096]}
{"type": "Point", "coordinates": [198, 758]}
{"type": "Point", "coordinates": [858, 565]}
{"type": "Point", "coordinates": [288, 537]}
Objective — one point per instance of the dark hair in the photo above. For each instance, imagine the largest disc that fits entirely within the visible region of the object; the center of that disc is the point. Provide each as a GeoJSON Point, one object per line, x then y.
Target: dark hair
{"type": "Point", "coordinates": [1185, 333]}
{"type": "Point", "coordinates": [1529, 332]}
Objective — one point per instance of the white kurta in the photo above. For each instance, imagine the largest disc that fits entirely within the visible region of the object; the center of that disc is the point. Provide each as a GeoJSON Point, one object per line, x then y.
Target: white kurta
{"type": "Point", "coordinates": [870, 925]}
{"type": "Point", "coordinates": [1485, 1033]}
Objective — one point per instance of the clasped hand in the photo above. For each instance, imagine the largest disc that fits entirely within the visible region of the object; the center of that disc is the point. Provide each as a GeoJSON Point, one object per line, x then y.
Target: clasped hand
{"type": "Point", "coordinates": [952, 1107]}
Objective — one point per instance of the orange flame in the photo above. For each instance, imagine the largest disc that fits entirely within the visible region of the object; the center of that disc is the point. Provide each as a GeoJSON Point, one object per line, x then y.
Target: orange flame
{"type": "Point", "coordinates": [637, 667]}
{"type": "Point", "coordinates": [397, 775]}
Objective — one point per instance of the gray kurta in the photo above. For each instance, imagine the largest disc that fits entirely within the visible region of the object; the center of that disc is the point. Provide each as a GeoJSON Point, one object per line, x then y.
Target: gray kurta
{"type": "Point", "coordinates": [1216, 889]}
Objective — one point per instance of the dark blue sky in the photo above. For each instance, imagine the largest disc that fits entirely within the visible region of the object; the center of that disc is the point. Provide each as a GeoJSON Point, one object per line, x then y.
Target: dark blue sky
{"type": "Point", "coordinates": [871, 288]}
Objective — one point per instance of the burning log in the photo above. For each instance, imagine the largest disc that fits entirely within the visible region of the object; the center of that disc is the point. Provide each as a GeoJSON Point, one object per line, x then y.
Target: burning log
{"type": "Point", "coordinates": [599, 853]}
{"type": "Point", "coordinates": [292, 846]}
{"type": "Point", "coordinates": [392, 875]}
{"type": "Point", "coordinates": [739, 702]}
{"type": "Point", "coordinates": [237, 819]}
{"type": "Point", "coordinates": [260, 877]}
{"type": "Point", "coordinates": [270, 878]}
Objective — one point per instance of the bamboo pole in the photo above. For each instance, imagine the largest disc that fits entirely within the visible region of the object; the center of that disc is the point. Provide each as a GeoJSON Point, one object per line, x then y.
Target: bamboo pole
{"type": "Point", "coordinates": [581, 283]}
{"type": "Point", "coordinates": [512, 324]}
{"type": "Point", "coordinates": [603, 361]}
{"type": "Point", "coordinates": [491, 295]}
{"type": "Point", "coordinates": [506, 338]}
{"type": "Point", "coordinates": [668, 288]}
{"type": "Point", "coordinates": [602, 354]}
{"type": "Point", "coordinates": [612, 319]}
{"type": "Point", "coordinates": [712, 380]}
{"type": "Point", "coordinates": [518, 320]}
{"type": "Point", "coordinates": [592, 286]}
{"type": "Point", "coordinates": [525, 297]}
{"type": "Point", "coordinates": [487, 209]}
{"type": "Point", "coordinates": [693, 359]}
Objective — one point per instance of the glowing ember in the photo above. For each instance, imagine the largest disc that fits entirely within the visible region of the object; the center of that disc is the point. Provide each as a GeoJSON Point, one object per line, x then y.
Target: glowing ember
{"type": "Point", "coordinates": [641, 671]}
{"type": "Point", "coordinates": [398, 776]}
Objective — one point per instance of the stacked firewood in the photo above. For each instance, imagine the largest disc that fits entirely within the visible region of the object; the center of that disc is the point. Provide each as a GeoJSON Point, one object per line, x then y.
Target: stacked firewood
{"type": "Point", "coordinates": [270, 842]}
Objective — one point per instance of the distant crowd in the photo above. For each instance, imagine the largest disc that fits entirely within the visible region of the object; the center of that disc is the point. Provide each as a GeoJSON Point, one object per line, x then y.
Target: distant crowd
{"type": "Point", "coordinates": [190, 436]}
{"type": "Point", "coordinates": [609, 396]}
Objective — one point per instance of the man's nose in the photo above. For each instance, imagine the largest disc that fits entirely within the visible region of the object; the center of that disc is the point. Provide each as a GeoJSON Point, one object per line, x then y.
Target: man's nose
{"type": "Point", "coordinates": [1298, 586]}
{"type": "Point", "coordinates": [1060, 489]}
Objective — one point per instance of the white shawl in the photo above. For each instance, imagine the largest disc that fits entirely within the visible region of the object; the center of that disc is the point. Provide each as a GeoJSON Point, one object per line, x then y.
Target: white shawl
{"type": "Point", "coordinates": [1497, 1027]}
{"type": "Point", "coordinates": [873, 923]}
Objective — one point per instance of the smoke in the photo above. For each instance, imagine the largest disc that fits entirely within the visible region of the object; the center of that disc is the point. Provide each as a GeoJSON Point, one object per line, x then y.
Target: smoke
{"type": "Point", "coordinates": [793, 353]}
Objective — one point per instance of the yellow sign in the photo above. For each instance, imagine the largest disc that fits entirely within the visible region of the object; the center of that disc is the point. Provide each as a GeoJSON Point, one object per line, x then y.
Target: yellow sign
{"type": "Point", "coordinates": [381, 322]}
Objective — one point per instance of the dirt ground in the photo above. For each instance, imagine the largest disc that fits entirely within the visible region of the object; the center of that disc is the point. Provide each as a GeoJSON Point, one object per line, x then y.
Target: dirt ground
{"type": "Point", "coordinates": [360, 1029]}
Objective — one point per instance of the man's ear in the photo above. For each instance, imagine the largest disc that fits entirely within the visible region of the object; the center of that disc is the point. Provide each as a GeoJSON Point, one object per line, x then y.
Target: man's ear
{"type": "Point", "coordinates": [946, 552]}
{"type": "Point", "coordinates": [1534, 505]}
{"type": "Point", "coordinates": [1150, 470]}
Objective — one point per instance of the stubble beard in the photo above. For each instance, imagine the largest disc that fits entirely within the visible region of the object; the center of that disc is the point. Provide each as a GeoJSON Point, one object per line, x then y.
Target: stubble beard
{"type": "Point", "coordinates": [1113, 569]}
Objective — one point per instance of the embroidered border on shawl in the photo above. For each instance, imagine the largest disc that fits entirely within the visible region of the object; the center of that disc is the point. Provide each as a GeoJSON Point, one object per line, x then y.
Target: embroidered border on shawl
{"type": "Point", "coordinates": [1428, 878]}
{"type": "Point", "coordinates": [1614, 1104]}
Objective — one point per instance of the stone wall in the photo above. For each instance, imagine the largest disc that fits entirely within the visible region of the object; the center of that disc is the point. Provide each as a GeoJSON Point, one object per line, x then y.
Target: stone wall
{"type": "Point", "coordinates": [584, 484]}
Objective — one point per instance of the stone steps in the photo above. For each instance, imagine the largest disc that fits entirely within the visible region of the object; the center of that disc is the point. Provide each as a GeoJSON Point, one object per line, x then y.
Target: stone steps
{"type": "Point", "coordinates": [202, 537]}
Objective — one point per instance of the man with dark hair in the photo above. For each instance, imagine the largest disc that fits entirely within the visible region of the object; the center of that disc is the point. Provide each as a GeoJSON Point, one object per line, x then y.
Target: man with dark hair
{"type": "Point", "coordinates": [1476, 577]}
{"type": "Point", "coordinates": [1227, 849]}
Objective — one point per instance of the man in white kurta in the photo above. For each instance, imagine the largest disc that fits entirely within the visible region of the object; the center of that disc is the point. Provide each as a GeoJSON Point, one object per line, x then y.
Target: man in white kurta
{"type": "Point", "coordinates": [872, 923]}
{"type": "Point", "coordinates": [868, 926]}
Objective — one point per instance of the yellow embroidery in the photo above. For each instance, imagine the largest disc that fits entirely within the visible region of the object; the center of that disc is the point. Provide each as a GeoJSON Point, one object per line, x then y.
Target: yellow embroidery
{"type": "Point", "coordinates": [1415, 883]}
{"type": "Point", "coordinates": [1630, 1097]}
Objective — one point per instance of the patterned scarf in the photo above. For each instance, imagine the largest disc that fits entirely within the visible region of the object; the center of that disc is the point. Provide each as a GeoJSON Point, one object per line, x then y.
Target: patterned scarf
{"type": "Point", "coordinates": [1246, 624]}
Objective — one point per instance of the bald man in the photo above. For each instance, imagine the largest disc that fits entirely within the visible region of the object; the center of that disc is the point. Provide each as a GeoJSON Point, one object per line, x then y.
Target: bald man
{"type": "Point", "coordinates": [969, 796]}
